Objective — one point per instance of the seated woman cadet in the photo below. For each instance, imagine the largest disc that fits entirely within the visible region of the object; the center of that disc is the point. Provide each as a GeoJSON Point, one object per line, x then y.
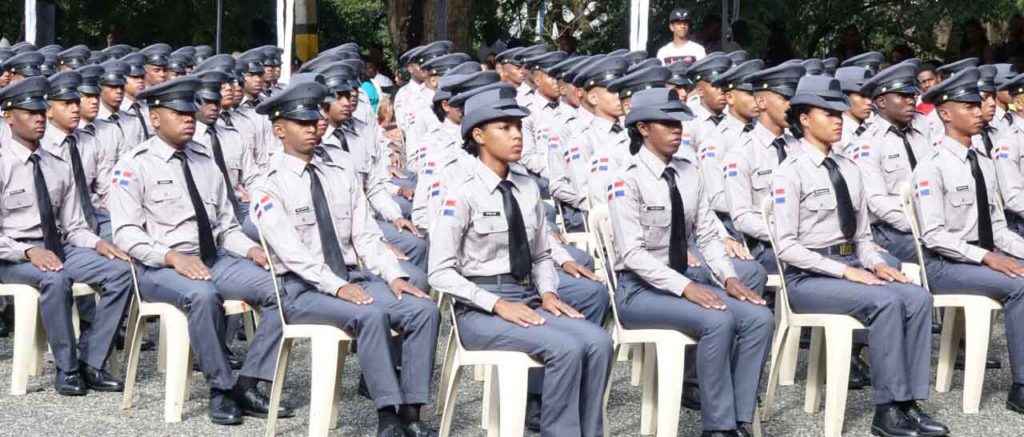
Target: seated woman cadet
{"type": "Point", "coordinates": [489, 248]}
{"type": "Point", "coordinates": [656, 200]}
{"type": "Point", "coordinates": [823, 235]}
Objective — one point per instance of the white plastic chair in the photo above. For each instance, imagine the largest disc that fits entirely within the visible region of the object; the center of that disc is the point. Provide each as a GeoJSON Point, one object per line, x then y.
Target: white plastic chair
{"type": "Point", "coordinates": [29, 335]}
{"type": "Point", "coordinates": [967, 317]}
{"type": "Point", "coordinates": [175, 350]}
{"type": "Point", "coordinates": [663, 354]}
{"type": "Point", "coordinates": [831, 335]}
{"type": "Point", "coordinates": [329, 347]}
{"type": "Point", "coordinates": [507, 418]}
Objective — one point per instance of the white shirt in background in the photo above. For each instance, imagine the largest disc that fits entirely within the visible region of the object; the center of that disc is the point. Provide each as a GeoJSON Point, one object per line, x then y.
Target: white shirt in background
{"type": "Point", "coordinates": [689, 53]}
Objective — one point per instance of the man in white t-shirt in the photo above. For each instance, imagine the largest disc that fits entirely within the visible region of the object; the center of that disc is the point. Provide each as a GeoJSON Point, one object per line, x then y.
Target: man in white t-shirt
{"type": "Point", "coordinates": [680, 49]}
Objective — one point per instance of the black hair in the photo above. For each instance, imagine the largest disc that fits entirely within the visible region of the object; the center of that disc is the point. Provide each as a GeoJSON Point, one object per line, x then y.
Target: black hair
{"type": "Point", "coordinates": [793, 118]}
{"type": "Point", "coordinates": [470, 145]}
{"type": "Point", "coordinates": [439, 110]}
{"type": "Point", "coordinates": [636, 141]}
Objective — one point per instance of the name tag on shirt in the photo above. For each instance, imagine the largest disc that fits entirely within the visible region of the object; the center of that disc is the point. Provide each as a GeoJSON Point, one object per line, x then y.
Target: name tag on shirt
{"type": "Point", "coordinates": [893, 156]}
{"type": "Point", "coordinates": [165, 182]}
{"type": "Point", "coordinates": [302, 210]}
{"type": "Point", "coordinates": [655, 208]}
{"type": "Point", "coordinates": [820, 192]}
{"type": "Point", "coordinates": [963, 188]}
{"type": "Point", "coordinates": [764, 172]}
{"type": "Point", "coordinates": [492, 213]}
{"type": "Point", "coordinates": [15, 192]}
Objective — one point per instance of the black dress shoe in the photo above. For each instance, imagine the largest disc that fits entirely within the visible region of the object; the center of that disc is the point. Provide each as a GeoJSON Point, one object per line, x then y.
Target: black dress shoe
{"type": "Point", "coordinates": [99, 379]}
{"type": "Point", "coordinates": [418, 429]}
{"type": "Point", "coordinates": [744, 430]}
{"type": "Point", "coordinates": [890, 421]}
{"type": "Point", "coordinates": [691, 396]}
{"type": "Point", "coordinates": [1015, 400]}
{"type": "Point", "coordinates": [363, 390]}
{"type": "Point", "coordinates": [533, 409]}
{"type": "Point", "coordinates": [223, 409]}
{"type": "Point", "coordinates": [254, 403]}
{"type": "Point", "coordinates": [926, 425]}
{"type": "Point", "coordinates": [69, 384]}
{"type": "Point", "coordinates": [4, 330]}
{"type": "Point", "coordinates": [719, 434]}
{"type": "Point", "coordinates": [390, 430]}
{"type": "Point", "coordinates": [860, 373]}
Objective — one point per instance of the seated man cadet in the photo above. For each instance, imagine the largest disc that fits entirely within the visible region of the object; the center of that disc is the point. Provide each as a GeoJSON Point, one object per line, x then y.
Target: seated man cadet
{"type": "Point", "coordinates": [851, 80]}
{"type": "Point", "coordinates": [223, 143]}
{"type": "Point", "coordinates": [740, 117]}
{"type": "Point", "coordinates": [751, 162]}
{"type": "Point", "coordinates": [132, 112]}
{"type": "Point", "coordinates": [45, 241]}
{"type": "Point", "coordinates": [1004, 115]}
{"type": "Point", "coordinates": [335, 147]}
{"type": "Point", "coordinates": [109, 138]}
{"type": "Point", "coordinates": [822, 235]}
{"type": "Point", "coordinates": [170, 211]}
{"type": "Point", "coordinates": [490, 250]}
{"type": "Point", "coordinates": [887, 152]}
{"type": "Point", "coordinates": [542, 126]}
{"type": "Point", "coordinates": [604, 137]}
{"type": "Point", "coordinates": [969, 247]}
{"type": "Point", "coordinates": [985, 139]}
{"type": "Point", "coordinates": [709, 106]}
{"type": "Point", "coordinates": [658, 205]}
{"type": "Point", "coordinates": [1009, 158]}
{"type": "Point", "coordinates": [316, 217]}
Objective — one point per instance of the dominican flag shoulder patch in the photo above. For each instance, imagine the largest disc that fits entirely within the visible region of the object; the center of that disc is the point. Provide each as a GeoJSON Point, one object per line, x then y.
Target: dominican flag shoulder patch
{"type": "Point", "coordinates": [264, 205]}
{"type": "Point", "coordinates": [924, 188]}
{"type": "Point", "coordinates": [123, 177]}
{"type": "Point", "coordinates": [449, 208]}
{"type": "Point", "coordinates": [780, 196]}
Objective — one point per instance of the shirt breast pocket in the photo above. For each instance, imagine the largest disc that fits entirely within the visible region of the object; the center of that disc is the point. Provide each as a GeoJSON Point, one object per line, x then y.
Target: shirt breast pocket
{"type": "Point", "coordinates": [820, 201]}
{"type": "Point", "coordinates": [893, 165]}
{"type": "Point", "coordinates": [490, 226]}
{"type": "Point", "coordinates": [656, 221]}
{"type": "Point", "coordinates": [761, 180]}
{"type": "Point", "coordinates": [169, 206]}
{"type": "Point", "coordinates": [15, 210]}
{"type": "Point", "coordinates": [961, 199]}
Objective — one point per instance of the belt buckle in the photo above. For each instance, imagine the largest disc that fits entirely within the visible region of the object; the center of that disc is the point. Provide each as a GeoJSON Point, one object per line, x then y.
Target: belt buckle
{"type": "Point", "coordinates": [525, 282]}
{"type": "Point", "coordinates": [846, 249]}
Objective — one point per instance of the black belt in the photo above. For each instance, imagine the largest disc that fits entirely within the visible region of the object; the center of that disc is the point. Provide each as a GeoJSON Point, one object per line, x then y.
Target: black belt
{"type": "Point", "coordinates": [841, 249]}
{"type": "Point", "coordinates": [499, 280]}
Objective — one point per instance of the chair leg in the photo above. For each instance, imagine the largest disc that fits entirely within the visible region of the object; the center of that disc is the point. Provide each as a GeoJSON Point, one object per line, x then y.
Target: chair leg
{"type": "Point", "coordinates": [249, 324]}
{"type": "Point", "coordinates": [176, 374]}
{"type": "Point", "coordinates": [446, 370]}
{"type": "Point", "coordinates": [76, 319]}
{"type": "Point", "coordinates": [161, 354]}
{"type": "Point", "coordinates": [637, 352]}
{"type": "Point", "coordinates": [189, 374]}
{"type": "Point", "coordinates": [607, 392]}
{"type": "Point", "coordinates": [324, 359]}
{"type": "Point", "coordinates": [132, 366]}
{"type": "Point", "coordinates": [773, 373]}
{"type": "Point", "coordinates": [26, 313]}
{"type": "Point", "coordinates": [41, 346]}
{"type": "Point", "coordinates": [278, 384]}
{"type": "Point", "coordinates": [670, 388]}
{"type": "Point", "coordinates": [342, 352]}
{"type": "Point", "coordinates": [649, 391]}
{"type": "Point", "coordinates": [489, 389]}
{"type": "Point", "coordinates": [450, 395]}
{"type": "Point", "coordinates": [840, 341]}
{"type": "Point", "coordinates": [815, 370]}
{"type": "Point", "coordinates": [511, 382]}
{"type": "Point", "coordinates": [978, 328]}
{"type": "Point", "coordinates": [790, 355]}
{"type": "Point", "coordinates": [949, 346]}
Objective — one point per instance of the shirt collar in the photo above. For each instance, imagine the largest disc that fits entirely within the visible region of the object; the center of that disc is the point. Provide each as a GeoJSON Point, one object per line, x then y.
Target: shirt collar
{"type": "Point", "coordinates": [19, 151]}
{"type": "Point", "coordinates": [104, 112]}
{"type": "Point", "coordinates": [731, 121]}
{"type": "Point", "coordinates": [490, 179]}
{"type": "Point", "coordinates": [651, 161]}
{"type": "Point", "coordinates": [165, 151]}
{"type": "Point", "coordinates": [848, 119]}
{"type": "Point", "coordinates": [811, 153]}
{"type": "Point", "coordinates": [53, 139]}
{"type": "Point", "coordinates": [954, 147]}
{"type": "Point", "coordinates": [292, 164]}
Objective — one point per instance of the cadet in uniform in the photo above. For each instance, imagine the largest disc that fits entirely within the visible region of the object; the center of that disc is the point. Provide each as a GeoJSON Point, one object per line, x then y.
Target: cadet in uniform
{"type": "Point", "coordinates": [969, 247]}
{"type": "Point", "coordinates": [887, 152]}
{"type": "Point", "coordinates": [604, 135]}
{"type": "Point", "coordinates": [657, 204]}
{"type": "Point", "coordinates": [108, 139]}
{"type": "Point", "coordinates": [985, 139]}
{"type": "Point", "coordinates": [541, 127]}
{"type": "Point", "coordinates": [680, 79]}
{"type": "Point", "coordinates": [489, 250]}
{"type": "Point", "coordinates": [851, 80]}
{"type": "Point", "coordinates": [1008, 158]}
{"type": "Point", "coordinates": [750, 164]}
{"type": "Point", "coordinates": [45, 241]}
{"type": "Point", "coordinates": [821, 226]}
{"type": "Point", "coordinates": [707, 101]}
{"type": "Point", "coordinates": [319, 225]}
{"type": "Point", "coordinates": [170, 211]}
{"type": "Point", "coordinates": [133, 113]}
{"type": "Point", "coordinates": [73, 57]}
{"type": "Point", "coordinates": [224, 143]}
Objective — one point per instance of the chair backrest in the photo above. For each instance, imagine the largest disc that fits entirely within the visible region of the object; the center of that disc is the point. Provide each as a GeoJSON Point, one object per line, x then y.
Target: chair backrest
{"type": "Point", "coordinates": [273, 272]}
{"type": "Point", "coordinates": [601, 228]}
{"type": "Point", "coordinates": [782, 309]}
{"type": "Point", "coordinates": [910, 211]}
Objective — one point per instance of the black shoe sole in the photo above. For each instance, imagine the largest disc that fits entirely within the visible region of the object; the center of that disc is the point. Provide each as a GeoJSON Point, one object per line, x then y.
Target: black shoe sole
{"type": "Point", "coordinates": [106, 389]}
{"type": "Point", "coordinates": [264, 415]}
{"type": "Point", "coordinates": [72, 393]}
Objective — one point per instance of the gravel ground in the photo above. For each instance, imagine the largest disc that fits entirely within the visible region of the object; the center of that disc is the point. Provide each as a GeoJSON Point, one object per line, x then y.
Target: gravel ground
{"type": "Point", "coordinates": [43, 412]}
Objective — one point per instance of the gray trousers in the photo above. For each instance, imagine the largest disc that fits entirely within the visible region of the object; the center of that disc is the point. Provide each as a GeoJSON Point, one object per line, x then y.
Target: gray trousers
{"type": "Point", "coordinates": [899, 244]}
{"type": "Point", "coordinates": [113, 282]}
{"type": "Point", "coordinates": [763, 253]}
{"type": "Point", "coordinates": [898, 318]}
{"type": "Point", "coordinates": [415, 318]}
{"type": "Point", "coordinates": [945, 276]}
{"type": "Point", "coordinates": [202, 301]}
{"type": "Point", "coordinates": [577, 357]}
{"type": "Point", "coordinates": [731, 345]}
{"type": "Point", "coordinates": [574, 219]}
{"type": "Point", "coordinates": [414, 247]}
{"type": "Point", "coordinates": [405, 205]}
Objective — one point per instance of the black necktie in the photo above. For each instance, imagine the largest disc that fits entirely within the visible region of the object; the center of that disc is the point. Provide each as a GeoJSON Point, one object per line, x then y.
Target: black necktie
{"type": "Point", "coordinates": [341, 138]}
{"type": "Point", "coordinates": [716, 118]}
{"type": "Point", "coordinates": [218, 157]}
{"type": "Point", "coordinates": [322, 153]}
{"type": "Point", "coordinates": [1008, 117]}
{"type": "Point", "coordinates": [677, 244]}
{"type": "Point", "coordinates": [780, 148]}
{"type": "Point", "coordinates": [616, 127]}
{"type": "Point", "coordinates": [981, 192]}
{"type": "Point", "coordinates": [906, 145]}
{"type": "Point", "coordinates": [114, 117]}
{"type": "Point", "coordinates": [987, 139]}
{"type": "Point", "coordinates": [207, 247]}
{"type": "Point", "coordinates": [138, 113]}
{"type": "Point", "coordinates": [847, 218]}
{"type": "Point", "coordinates": [81, 187]}
{"type": "Point", "coordinates": [90, 128]}
{"type": "Point", "coordinates": [329, 244]}
{"type": "Point", "coordinates": [226, 116]}
{"type": "Point", "coordinates": [51, 236]}
{"type": "Point", "coordinates": [519, 256]}
{"type": "Point", "coordinates": [552, 105]}
{"type": "Point", "coordinates": [748, 127]}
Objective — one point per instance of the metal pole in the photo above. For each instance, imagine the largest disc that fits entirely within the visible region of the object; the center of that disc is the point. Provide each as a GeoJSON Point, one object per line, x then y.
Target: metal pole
{"type": "Point", "coordinates": [30, 21]}
{"type": "Point", "coordinates": [220, 23]}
